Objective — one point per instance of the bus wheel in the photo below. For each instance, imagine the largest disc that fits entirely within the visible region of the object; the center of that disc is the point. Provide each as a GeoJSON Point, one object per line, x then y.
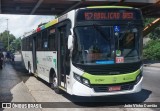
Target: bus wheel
{"type": "Point", "coordinates": [54, 85]}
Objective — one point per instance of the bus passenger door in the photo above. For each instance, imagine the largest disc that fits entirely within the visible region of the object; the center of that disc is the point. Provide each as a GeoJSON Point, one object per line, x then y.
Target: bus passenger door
{"type": "Point", "coordinates": [34, 55]}
{"type": "Point", "coordinates": [62, 55]}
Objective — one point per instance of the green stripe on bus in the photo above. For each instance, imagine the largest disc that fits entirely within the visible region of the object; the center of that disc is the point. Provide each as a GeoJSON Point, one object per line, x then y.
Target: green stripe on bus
{"type": "Point", "coordinates": [51, 23]}
{"type": "Point", "coordinates": [109, 7]}
{"type": "Point", "coordinates": [111, 79]}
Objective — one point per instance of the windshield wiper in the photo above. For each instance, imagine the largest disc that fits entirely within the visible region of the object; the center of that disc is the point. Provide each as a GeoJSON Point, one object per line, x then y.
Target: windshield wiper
{"type": "Point", "coordinates": [101, 33]}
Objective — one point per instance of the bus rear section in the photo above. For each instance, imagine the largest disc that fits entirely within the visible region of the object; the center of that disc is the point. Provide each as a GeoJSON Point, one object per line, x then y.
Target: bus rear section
{"type": "Point", "coordinates": [107, 51]}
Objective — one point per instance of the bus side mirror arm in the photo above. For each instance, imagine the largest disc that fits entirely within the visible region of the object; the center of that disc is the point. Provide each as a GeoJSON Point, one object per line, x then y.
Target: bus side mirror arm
{"type": "Point", "coordinates": [70, 42]}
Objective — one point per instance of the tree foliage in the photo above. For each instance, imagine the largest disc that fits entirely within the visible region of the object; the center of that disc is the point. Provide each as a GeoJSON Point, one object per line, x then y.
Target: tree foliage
{"type": "Point", "coordinates": [148, 21]}
{"type": "Point", "coordinates": [152, 50]}
{"type": "Point", "coordinates": [16, 44]}
{"type": "Point", "coordinates": [155, 34]}
{"type": "Point", "coordinates": [4, 38]}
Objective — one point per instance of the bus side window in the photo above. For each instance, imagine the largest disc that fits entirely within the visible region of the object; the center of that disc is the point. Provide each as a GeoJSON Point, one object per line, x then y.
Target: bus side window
{"type": "Point", "coordinates": [38, 44]}
{"type": "Point", "coordinates": [27, 44]}
{"type": "Point", "coordinates": [52, 40]}
{"type": "Point", "coordinates": [23, 44]}
{"type": "Point", "coordinates": [44, 40]}
{"type": "Point", "coordinates": [30, 43]}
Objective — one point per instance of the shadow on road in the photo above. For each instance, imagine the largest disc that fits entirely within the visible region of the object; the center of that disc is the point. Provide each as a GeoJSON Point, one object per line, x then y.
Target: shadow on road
{"type": "Point", "coordinates": [21, 71]}
{"type": "Point", "coordinates": [11, 77]}
{"type": "Point", "coordinates": [103, 101]}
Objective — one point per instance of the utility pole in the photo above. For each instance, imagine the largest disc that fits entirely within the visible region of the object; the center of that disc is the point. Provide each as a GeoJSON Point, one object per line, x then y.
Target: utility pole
{"type": "Point", "coordinates": [7, 34]}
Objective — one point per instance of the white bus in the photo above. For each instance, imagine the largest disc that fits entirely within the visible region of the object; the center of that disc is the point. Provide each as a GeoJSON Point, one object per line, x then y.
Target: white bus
{"type": "Point", "coordinates": [92, 51]}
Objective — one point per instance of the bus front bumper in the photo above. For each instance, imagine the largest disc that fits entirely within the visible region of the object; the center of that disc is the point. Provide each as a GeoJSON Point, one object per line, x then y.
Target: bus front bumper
{"type": "Point", "coordinates": [82, 90]}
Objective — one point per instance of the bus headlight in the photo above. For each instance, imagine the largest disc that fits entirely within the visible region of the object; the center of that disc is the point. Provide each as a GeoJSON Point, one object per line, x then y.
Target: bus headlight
{"type": "Point", "coordinates": [77, 77]}
{"type": "Point", "coordinates": [85, 81]}
{"type": "Point", "coordinates": [81, 79]}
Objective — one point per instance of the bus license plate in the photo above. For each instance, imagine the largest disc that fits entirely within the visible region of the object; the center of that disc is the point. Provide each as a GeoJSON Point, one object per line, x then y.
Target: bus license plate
{"type": "Point", "coordinates": [114, 88]}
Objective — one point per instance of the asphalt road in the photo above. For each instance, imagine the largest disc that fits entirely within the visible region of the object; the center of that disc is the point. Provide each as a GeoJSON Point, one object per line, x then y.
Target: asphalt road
{"type": "Point", "coordinates": [18, 86]}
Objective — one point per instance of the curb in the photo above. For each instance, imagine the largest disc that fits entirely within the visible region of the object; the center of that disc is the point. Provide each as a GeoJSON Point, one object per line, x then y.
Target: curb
{"type": "Point", "coordinates": [149, 65]}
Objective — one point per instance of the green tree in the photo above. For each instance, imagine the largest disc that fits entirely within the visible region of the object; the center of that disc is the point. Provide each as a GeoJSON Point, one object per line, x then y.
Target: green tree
{"type": "Point", "coordinates": [148, 21]}
{"type": "Point", "coordinates": [151, 50]}
{"type": "Point", "coordinates": [155, 34]}
{"type": "Point", "coordinates": [4, 38]}
{"type": "Point", "coordinates": [16, 45]}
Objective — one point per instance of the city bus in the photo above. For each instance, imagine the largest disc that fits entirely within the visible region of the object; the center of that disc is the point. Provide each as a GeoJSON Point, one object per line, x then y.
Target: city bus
{"type": "Point", "coordinates": [91, 51]}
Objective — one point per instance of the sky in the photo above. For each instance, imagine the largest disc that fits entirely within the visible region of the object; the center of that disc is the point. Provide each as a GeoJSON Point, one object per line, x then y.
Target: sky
{"type": "Point", "coordinates": [19, 24]}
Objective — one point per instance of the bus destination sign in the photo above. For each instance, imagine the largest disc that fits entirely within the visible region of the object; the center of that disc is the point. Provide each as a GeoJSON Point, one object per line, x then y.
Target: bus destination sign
{"type": "Point", "coordinates": [108, 15]}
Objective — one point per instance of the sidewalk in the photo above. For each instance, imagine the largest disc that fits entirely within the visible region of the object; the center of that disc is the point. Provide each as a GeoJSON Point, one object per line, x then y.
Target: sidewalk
{"type": "Point", "coordinates": [152, 64]}
{"type": "Point", "coordinates": [12, 83]}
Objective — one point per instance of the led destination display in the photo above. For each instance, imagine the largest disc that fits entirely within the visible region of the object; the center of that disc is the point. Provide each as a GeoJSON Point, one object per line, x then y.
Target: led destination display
{"type": "Point", "coordinates": [105, 14]}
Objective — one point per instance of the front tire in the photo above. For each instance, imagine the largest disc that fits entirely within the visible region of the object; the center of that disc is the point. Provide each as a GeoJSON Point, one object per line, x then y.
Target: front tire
{"type": "Point", "coordinates": [54, 85]}
{"type": "Point", "coordinates": [1, 63]}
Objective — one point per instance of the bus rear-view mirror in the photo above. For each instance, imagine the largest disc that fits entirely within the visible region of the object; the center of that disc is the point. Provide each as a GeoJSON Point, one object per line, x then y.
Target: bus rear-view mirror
{"type": "Point", "coordinates": [70, 42]}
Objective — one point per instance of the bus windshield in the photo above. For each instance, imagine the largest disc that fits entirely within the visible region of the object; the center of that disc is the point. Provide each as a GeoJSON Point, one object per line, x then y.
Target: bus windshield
{"type": "Point", "coordinates": [101, 45]}
{"type": "Point", "coordinates": [94, 43]}
{"type": "Point", "coordinates": [128, 43]}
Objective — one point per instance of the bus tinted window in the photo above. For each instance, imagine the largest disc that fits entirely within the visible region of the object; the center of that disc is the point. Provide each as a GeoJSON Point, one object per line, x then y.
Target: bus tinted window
{"type": "Point", "coordinates": [23, 44]}
{"type": "Point", "coordinates": [52, 39]}
{"type": "Point", "coordinates": [128, 41]}
{"type": "Point", "coordinates": [30, 43]}
{"type": "Point", "coordinates": [44, 40]}
{"type": "Point", "coordinates": [39, 42]}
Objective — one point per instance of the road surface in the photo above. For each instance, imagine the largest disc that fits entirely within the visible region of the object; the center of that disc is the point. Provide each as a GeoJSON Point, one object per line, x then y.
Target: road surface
{"type": "Point", "coordinates": [16, 85]}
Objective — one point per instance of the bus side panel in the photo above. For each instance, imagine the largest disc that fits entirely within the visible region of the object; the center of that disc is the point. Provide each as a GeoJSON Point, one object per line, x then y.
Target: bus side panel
{"type": "Point", "coordinates": [24, 59]}
{"type": "Point", "coordinates": [40, 63]}
{"type": "Point", "coordinates": [51, 62]}
{"type": "Point", "coordinates": [45, 61]}
{"type": "Point", "coordinates": [27, 57]}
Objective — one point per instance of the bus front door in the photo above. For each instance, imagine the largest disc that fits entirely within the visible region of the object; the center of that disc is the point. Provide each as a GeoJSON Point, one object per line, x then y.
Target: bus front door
{"type": "Point", "coordinates": [62, 49]}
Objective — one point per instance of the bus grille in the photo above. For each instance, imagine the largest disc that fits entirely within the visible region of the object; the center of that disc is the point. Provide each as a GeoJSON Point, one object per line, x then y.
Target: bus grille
{"type": "Point", "coordinates": [106, 88]}
{"type": "Point", "coordinates": [110, 69]}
